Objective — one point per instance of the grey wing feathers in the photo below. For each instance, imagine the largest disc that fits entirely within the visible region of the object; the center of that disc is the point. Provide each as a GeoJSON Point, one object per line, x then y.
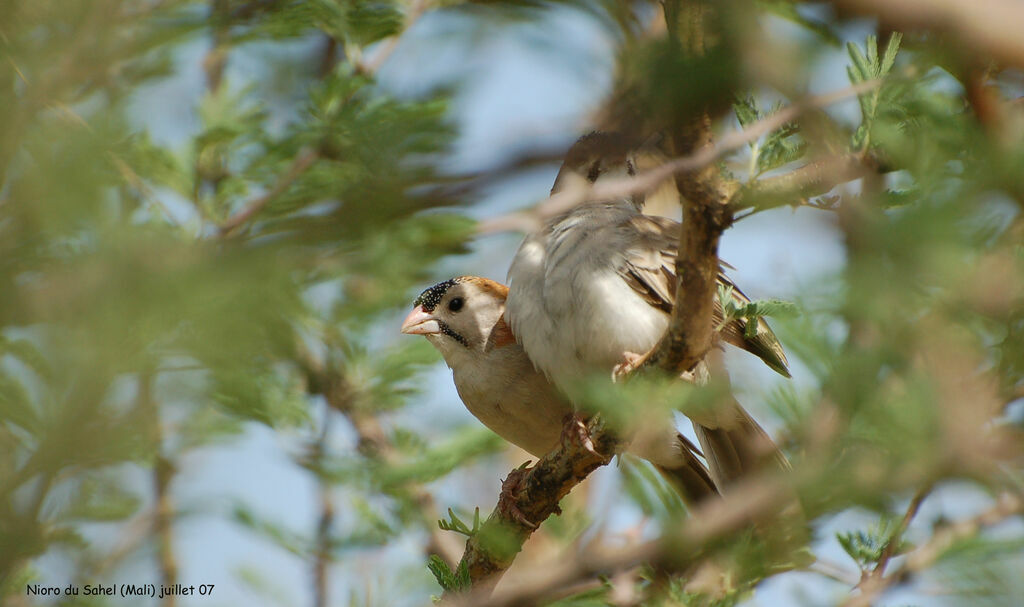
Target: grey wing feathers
{"type": "Point", "coordinates": [649, 268]}
{"type": "Point", "coordinates": [649, 264]}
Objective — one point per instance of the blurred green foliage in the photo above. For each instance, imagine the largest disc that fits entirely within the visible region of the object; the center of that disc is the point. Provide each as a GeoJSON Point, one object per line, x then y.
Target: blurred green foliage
{"type": "Point", "coordinates": [134, 330]}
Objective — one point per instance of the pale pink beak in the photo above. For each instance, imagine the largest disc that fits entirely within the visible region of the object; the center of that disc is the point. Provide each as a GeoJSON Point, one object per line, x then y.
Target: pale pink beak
{"type": "Point", "coordinates": [420, 322]}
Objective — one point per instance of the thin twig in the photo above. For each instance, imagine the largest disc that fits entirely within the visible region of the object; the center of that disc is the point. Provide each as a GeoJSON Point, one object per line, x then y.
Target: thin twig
{"type": "Point", "coordinates": [798, 186]}
{"type": "Point", "coordinates": [834, 571]}
{"type": "Point", "coordinates": [163, 473]}
{"type": "Point", "coordinates": [373, 442]}
{"type": "Point", "coordinates": [894, 541]}
{"type": "Point", "coordinates": [529, 497]}
{"type": "Point", "coordinates": [137, 182]}
{"type": "Point", "coordinates": [300, 165]}
{"type": "Point", "coordinates": [749, 500]}
{"type": "Point", "coordinates": [942, 540]}
{"type": "Point", "coordinates": [216, 58]}
{"type": "Point", "coordinates": [388, 47]}
{"type": "Point", "coordinates": [322, 552]}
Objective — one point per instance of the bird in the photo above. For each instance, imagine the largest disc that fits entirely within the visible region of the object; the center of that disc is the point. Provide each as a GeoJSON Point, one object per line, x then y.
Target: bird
{"type": "Point", "coordinates": [463, 318]}
{"type": "Point", "coordinates": [594, 288]}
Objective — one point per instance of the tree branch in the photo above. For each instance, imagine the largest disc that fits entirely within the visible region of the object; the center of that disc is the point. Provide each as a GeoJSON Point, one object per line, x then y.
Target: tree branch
{"type": "Point", "coordinates": [893, 544]}
{"type": "Point", "coordinates": [748, 501]}
{"type": "Point", "coordinates": [529, 497]}
{"type": "Point", "coordinates": [991, 27]}
{"type": "Point", "coordinates": [798, 186]}
{"type": "Point", "coordinates": [388, 46]}
{"type": "Point", "coordinates": [373, 442]}
{"type": "Point", "coordinates": [216, 58]}
{"type": "Point", "coordinates": [942, 540]}
{"type": "Point", "coordinates": [163, 473]}
{"type": "Point", "coordinates": [322, 551]}
{"type": "Point", "coordinates": [299, 166]}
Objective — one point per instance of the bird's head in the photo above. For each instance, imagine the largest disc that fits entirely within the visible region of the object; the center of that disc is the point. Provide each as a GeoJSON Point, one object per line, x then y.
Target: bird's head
{"type": "Point", "coordinates": [594, 157]}
{"type": "Point", "coordinates": [461, 317]}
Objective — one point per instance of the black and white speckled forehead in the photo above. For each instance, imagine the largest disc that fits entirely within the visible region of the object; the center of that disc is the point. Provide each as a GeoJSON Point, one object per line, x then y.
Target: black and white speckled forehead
{"type": "Point", "coordinates": [432, 296]}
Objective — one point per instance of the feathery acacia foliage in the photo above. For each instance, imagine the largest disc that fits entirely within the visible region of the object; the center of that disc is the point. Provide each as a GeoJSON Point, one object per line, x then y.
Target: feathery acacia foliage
{"type": "Point", "coordinates": [166, 296]}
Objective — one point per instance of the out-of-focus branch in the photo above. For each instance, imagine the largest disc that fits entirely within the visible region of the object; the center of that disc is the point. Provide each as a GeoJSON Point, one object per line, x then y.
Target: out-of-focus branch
{"type": "Point", "coordinates": [648, 181]}
{"type": "Point", "coordinates": [163, 523]}
{"type": "Point", "coordinates": [942, 540]}
{"type": "Point", "coordinates": [322, 555]}
{"type": "Point", "coordinates": [529, 497]}
{"type": "Point", "coordinates": [163, 473]}
{"type": "Point", "coordinates": [991, 28]}
{"type": "Point", "coordinates": [798, 186]}
{"type": "Point", "coordinates": [874, 577]}
{"type": "Point", "coordinates": [216, 58]}
{"type": "Point", "coordinates": [299, 166]}
{"type": "Point", "coordinates": [373, 442]}
{"type": "Point", "coordinates": [894, 541]}
{"type": "Point", "coordinates": [748, 501]}
{"type": "Point", "coordinates": [387, 47]}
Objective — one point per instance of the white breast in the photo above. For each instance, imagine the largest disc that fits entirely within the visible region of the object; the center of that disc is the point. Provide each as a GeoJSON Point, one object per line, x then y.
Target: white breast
{"type": "Point", "coordinates": [567, 304]}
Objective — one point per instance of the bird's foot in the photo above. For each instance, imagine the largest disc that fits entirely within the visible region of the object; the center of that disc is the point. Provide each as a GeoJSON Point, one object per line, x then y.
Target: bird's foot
{"type": "Point", "coordinates": [631, 361]}
{"type": "Point", "coordinates": [507, 504]}
{"type": "Point", "coordinates": [575, 430]}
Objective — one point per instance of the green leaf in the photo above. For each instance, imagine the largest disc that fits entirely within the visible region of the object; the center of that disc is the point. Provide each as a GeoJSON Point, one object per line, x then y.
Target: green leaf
{"type": "Point", "coordinates": [100, 497]}
{"type": "Point", "coordinates": [869, 67]}
{"type": "Point", "coordinates": [16, 405]}
{"type": "Point", "coordinates": [866, 546]}
{"type": "Point", "coordinates": [454, 523]}
{"type": "Point", "coordinates": [450, 581]}
{"type": "Point", "coordinates": [746, 111]}
{"type": "Point", "coordinates": [277, 533]}
{"type": "Point", "coordinates": [862, 68]}
{"type": "Point", "coordinates": [790, 11]}
{"type": "Point", "coordinates": [889, 57]}
{"type": "Point", "coordinates": [440, 460]}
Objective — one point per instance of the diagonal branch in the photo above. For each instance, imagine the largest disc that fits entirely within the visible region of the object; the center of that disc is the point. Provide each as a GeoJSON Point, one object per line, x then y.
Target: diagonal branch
{"type": "Point", "coordinates": [388, 46]}
{"type": "Point", "coordinates": [299, 166]}
{"type": "Point", "coordinates": [754, 499]}
{"type": "Point", "coordinates": [942, 540]}
{"type": "Point", "coordinates": [893, 544]}
{"type": "Point", "coordinates": [528, 498]}
{"type": "Point", "coordinates": [373, 442]}
{"type": "Point", "coordinates": [798, 186]}
{"type": "Point", "coordinates": [991, 28]}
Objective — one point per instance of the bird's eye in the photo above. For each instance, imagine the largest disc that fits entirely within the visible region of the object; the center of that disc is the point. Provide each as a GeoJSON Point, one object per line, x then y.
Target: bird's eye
{"type": "Point", "coordinates": [456, 304]}
{"type": "Point", "coordinates": [595, 172]}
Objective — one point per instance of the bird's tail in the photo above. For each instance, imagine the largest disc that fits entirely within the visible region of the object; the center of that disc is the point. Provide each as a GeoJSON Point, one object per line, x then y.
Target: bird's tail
{"type": "Point", "coordinates": [741, 449]}
{"type": "Point", "coordinates": [690, 478]}
{"type": "Point", "coordinates": [738, 447]}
